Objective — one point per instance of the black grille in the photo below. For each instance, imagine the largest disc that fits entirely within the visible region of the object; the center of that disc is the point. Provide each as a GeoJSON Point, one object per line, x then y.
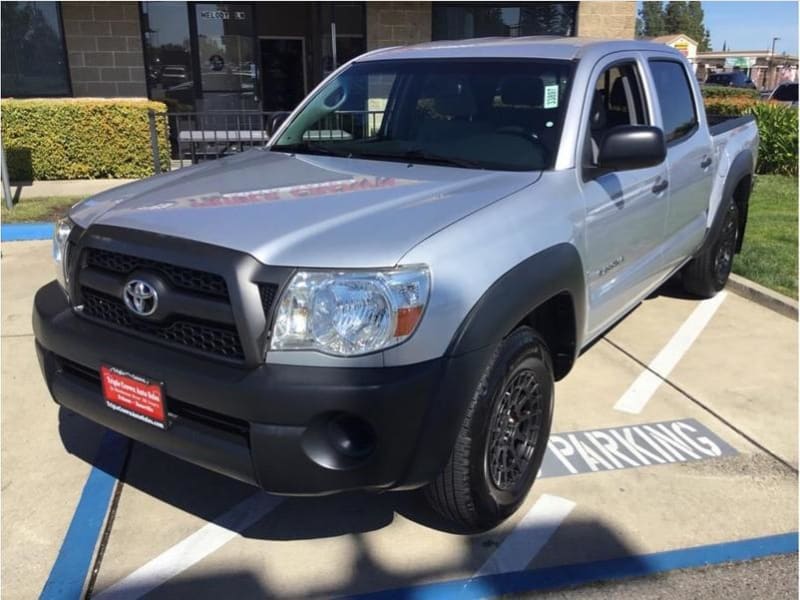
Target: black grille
{"type": "Point", "coordinates": [188, 279]}
{"type": "Point", "coordinates": [267, 292]}
{"type": "Point", "coordinates": [211, 339]}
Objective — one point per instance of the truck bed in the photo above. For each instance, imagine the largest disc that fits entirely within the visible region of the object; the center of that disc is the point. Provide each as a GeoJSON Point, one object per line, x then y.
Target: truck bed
{"type": "Point", "coordinates": [718, 124]}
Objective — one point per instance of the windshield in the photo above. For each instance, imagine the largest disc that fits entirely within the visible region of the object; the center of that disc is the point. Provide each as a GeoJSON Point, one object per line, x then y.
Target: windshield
{"type": "Point", "coordinates": [485, 114]}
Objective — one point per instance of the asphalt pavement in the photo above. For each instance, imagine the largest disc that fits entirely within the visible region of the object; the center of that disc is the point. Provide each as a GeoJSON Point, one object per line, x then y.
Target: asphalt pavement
{"type": "Point", "coordinates": [675, 446]}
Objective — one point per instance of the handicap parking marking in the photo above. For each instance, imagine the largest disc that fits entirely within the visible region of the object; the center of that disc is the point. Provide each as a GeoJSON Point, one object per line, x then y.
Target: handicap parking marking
{"type": "Point", "coordinates": [630, 447]}
{"type": "Point", "coordinates": [19, 232]}
{"type": "Point", "coordinates": [528, 536]}
{"type": "Point", "coordinates": [192, 549]}
{"type": "Point", "coordinates": [642, 389]}
{"type": "Point", "coordinates": [69, 573]}
{"type": "Point", "coordinates": [572, 575]}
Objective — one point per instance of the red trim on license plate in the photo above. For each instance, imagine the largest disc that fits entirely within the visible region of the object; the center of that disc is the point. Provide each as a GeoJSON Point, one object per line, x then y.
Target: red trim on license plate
{"type": "Point", "coordinates": [135, 396]}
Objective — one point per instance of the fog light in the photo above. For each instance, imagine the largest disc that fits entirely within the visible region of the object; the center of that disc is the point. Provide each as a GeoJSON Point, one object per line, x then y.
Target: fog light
{"type": "Point", "coordinates": [339, 441]}
{"type": "Point", "coordinates": [351, 436]}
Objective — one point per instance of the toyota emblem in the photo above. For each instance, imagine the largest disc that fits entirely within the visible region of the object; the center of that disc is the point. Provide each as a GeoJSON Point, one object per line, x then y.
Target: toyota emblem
{"type": "Point", "coordinates": [140, 297]}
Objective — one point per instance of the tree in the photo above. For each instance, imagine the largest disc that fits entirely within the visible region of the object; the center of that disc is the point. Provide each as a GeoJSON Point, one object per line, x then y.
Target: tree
{"type": "Point", "coordinates": [694, 26]}
{"type": "Point", "coordinates": [656, 19]}
{"type": "Point", "coordinates": [651, 21]}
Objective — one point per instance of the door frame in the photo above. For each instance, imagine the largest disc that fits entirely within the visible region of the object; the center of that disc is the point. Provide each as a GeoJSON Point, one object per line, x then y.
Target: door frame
{"type": "Point", "coordinates": [305, 57]}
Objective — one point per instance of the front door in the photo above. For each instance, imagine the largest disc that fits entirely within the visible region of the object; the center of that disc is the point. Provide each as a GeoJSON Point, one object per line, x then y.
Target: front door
{"type": "Point", "coordinates": [283, 73]}
{"type": "Point", "coordinates": [626, 211]}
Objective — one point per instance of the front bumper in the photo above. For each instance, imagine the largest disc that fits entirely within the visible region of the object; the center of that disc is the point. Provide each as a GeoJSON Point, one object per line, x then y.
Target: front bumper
{"type": "Point", "coordinates": [288, 429]}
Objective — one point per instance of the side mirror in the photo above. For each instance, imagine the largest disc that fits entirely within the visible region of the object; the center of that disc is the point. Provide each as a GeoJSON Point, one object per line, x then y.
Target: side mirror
{"type": "Point", "coordinates": [276, 120]}
{"type": "Point", "coordinates": [632, 147]}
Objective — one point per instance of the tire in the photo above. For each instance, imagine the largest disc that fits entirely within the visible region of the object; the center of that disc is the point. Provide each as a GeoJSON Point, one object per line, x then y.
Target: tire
{"type": "Point", "coordinates": [482, 483]}
{"type": "Point", "coordinates": [709, 270]}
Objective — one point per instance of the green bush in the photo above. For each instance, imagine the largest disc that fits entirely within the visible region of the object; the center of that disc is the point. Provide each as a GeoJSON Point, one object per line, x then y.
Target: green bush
{"type": "Point", "coordinates": [730, 106]}
{"type": "Point", "coordinates": [73, 138]}
{"type": "Point", "coordinates": [719, 91]}
{"type": "Point", "coordinates": [777, 128]}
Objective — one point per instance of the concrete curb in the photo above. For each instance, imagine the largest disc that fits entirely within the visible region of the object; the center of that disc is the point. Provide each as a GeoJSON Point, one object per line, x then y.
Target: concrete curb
{"type": "Point", "coordinates": [764, 296]}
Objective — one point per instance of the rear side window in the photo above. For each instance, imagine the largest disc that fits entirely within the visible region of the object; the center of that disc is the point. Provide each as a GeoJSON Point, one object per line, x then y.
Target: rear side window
{"type": "Point", "coordinates": [675, 97]}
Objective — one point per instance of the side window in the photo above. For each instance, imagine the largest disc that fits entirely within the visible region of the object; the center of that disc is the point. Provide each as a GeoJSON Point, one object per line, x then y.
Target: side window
{"type": "Point", "coordinates": [618, 100]}
{"type": "Point", "coordinates": [675, 97]}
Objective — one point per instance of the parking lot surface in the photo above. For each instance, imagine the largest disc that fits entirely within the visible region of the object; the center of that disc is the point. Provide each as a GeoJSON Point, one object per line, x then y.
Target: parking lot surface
{"type": "Point", "coordinates": [675, 443]}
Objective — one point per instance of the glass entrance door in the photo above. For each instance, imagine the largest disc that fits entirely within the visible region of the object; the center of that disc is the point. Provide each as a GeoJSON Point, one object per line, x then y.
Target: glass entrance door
{"type": "Point", "coordinates": [283, 74]}
{"type": "Point", "coordinates": [226, 56]}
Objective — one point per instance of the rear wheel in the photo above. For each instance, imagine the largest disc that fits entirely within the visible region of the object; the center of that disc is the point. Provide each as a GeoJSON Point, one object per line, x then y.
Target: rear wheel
{"type": "Point", "coordinates": [709, 270]}
{"type": "Point", "coordinates": [502, 439]}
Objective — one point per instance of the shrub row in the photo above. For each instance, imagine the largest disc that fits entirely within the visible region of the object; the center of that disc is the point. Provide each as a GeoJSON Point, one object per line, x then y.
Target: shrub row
{"type": "Point", "coordinates": [74, 138]}
{"type": "Point", "coordinates": [720, 91]}
{"type": "Point", "coordinates": [777, 130]}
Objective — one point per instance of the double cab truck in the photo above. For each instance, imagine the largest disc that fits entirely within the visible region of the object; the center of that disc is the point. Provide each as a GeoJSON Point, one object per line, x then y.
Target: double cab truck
{"type": "Point", "coordinates": [383, 296]}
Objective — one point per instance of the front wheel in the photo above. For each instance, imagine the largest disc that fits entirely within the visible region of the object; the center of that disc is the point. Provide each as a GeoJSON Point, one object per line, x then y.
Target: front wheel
{"type": "Point", "coordinates": [503, 437]}
{"type": "Point", "coordinates": [709, 270]}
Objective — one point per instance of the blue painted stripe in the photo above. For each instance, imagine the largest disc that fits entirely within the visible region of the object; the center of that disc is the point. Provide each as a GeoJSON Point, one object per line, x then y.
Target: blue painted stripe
{"type": "Point", "coordinates": [17, 232]}
{"type": "Point", "coordinates": [604, 570]}
{"type": "Point", "coordinates": [74, 559]}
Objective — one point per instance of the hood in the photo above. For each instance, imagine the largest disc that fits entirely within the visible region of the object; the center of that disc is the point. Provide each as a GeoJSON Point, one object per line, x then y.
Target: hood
{"type": "Point", "coordinates": [302, 210]}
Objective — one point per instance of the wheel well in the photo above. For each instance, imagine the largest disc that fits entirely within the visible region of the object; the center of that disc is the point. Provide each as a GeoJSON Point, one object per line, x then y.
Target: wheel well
{"type": "Point", "coordinates": [555, 321]}
{"type": "Point", "coordinates": [741, 195]}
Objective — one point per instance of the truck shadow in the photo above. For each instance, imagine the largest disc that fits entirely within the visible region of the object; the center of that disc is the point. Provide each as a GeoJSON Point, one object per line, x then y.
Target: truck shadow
{"type": "Point", "coordinates": [363, 563]}
{"type": "Point", "coordinates": [207, 495]}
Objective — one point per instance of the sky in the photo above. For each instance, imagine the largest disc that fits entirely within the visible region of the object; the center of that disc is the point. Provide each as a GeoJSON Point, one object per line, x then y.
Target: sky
{"type": "Point", "coordinates": [751, 25]}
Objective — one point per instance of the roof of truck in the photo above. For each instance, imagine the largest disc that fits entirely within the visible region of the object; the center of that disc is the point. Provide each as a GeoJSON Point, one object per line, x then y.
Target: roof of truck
{"type": "Point", "coordinates": [555, 47]}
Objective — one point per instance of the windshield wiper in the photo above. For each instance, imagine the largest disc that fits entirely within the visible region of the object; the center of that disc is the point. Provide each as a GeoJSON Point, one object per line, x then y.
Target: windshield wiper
{"type": "Point", "coordinates": [307, 148]}
{"type": "Point", "coordinates": [431, 157]}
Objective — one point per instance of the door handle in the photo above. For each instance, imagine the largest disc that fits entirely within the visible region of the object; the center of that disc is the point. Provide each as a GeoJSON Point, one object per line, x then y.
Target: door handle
{"type": "Point", "coordinates": [706, 163]}
{"type": "Point", "coordinates": [660, 186]}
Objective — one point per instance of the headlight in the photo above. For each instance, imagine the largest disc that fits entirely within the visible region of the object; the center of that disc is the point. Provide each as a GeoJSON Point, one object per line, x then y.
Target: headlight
{"type": "Point", "coordinates": [60, 235]}
{"type": "Point", "coordinates": [350, 313]}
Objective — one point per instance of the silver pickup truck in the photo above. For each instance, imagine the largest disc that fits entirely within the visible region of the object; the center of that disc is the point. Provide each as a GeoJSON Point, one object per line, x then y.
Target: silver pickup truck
{"type": "Point", "coordinates": [383, 297]}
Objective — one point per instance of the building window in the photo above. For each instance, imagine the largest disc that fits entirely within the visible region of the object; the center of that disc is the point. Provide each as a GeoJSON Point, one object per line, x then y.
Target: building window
{"type": "Point", "coordinates": [165, 26]}
{"type": "Point", "coordinates": [462, 21]}
{"type": "Point", "coordinates": [34, 60]}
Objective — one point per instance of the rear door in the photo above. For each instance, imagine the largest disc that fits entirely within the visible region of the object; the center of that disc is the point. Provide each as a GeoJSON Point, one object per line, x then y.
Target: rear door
{"type": "Point", "coordinates": [689, 157]}
{"type": "Point", "coordinates": [625, 210]}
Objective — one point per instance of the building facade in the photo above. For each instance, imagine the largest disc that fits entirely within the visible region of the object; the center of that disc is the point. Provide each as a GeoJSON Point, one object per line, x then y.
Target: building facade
{"type": "Point", "coordinates": [201, 56]}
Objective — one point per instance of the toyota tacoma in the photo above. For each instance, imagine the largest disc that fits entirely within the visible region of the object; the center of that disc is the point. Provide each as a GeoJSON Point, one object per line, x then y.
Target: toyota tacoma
{"type": "Point", "coordinates": [383, 297]}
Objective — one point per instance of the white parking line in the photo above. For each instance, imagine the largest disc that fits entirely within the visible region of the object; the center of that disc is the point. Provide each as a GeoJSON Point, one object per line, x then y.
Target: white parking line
{"type": "Point", "coordinates": [639, 393]}
{"type": "Point", "coordinates": [529, 536]}
{"type": "Point", "coordinates": [193, 549]}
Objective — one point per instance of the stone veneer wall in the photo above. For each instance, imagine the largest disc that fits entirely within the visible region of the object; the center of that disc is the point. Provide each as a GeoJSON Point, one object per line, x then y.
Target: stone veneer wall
{"type": "Point", "coordinates": [397, 23]}
{"type": "Point", "coordinates": [607, 19]}
{"type": "Point", "coordinates": [104, 44]}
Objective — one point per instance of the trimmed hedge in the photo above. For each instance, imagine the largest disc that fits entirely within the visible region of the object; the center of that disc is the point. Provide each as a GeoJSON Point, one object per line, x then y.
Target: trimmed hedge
{"type": "Point", "coordinates": [720, 91]}
{"type": "Point", "coordinates": [75, 138]}
{"type": "Point", "coordinates": [730, 106]}
{"type": "Point", "coordinates": [777, 130]}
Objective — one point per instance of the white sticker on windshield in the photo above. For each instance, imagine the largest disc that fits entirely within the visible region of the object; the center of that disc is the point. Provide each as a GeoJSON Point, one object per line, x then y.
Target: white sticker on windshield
{"type": "Point", "coordinates": [550, 96]}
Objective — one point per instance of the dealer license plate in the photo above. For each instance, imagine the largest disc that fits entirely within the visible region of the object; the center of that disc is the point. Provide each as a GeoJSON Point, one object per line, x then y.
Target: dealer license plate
{"type": "Point", "coordinates": [135, 396]}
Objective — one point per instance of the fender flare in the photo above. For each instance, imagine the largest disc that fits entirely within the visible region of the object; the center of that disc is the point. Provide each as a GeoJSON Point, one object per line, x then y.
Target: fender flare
{"type": "Point", "coordinates": [742, 166]}
{"type": "Point", "coordinates": [512, 297]}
